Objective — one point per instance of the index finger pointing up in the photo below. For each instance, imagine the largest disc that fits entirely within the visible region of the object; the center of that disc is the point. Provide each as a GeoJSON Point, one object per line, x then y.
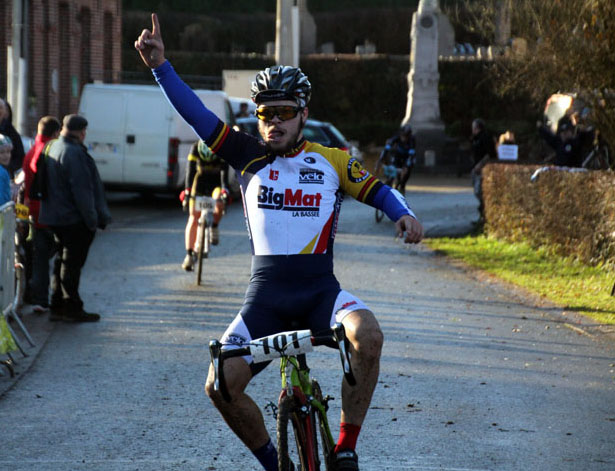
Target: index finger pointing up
{"type": "Point", "coordinates": [155, 25]}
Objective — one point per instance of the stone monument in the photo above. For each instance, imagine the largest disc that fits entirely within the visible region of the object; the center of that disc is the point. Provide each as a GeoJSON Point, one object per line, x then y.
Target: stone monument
{"type": "Point", "coordinates": [308, 29]}
{"type": "Point", "coordinates": [423, 106]}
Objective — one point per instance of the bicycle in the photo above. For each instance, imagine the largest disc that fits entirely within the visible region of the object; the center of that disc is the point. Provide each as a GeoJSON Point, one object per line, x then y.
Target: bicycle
{"type": "Point", "coordinates": [301, 400]}
{"type": "Point", "coordinates": [598, 157]}
{"type": "Point", "coordinates": [392, 175]}
{"type": "Point", "coordinates": [206, 206]}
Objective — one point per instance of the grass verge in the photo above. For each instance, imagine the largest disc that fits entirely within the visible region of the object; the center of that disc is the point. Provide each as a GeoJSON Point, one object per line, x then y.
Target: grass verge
{"type": "Point", "coordinates": [570, 284]}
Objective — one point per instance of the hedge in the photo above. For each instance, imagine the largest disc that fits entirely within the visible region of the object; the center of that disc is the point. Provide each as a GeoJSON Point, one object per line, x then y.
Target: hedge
{"type": "Point", "coordinates": [573, 213]}
{"type": "Point", "coordinates": [365, 96]}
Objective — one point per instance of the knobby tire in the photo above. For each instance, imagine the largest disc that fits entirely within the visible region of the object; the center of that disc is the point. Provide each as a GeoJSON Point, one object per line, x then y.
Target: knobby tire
{"type": "Point", "coordinates": [199, 256]}
{"type": "Point", "coordinates": [327, 445]}
{"type": "Point", "coordinates": [288, 413]}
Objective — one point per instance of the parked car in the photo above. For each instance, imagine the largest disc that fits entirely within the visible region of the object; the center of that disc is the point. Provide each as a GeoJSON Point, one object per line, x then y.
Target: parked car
{"type": "Point", "coordinates": [316, 131]}
{"type": "Point", "coordinates": [236, 104]}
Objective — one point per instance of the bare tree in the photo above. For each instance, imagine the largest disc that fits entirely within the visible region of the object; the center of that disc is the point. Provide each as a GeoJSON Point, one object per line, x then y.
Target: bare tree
{"type": "Point", "coordinates": [570, 48]}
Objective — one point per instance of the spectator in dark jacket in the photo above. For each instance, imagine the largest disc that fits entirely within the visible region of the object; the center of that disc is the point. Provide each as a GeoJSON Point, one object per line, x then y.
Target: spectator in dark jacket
{"type": "Point", "coordinates": [567, 142]}
{"type": "Point", "coordinates": [6, 128]}
{"type": "Point", "coordinates": [483, 150]}
{"type": "Point", "coordinates": [74, 208]}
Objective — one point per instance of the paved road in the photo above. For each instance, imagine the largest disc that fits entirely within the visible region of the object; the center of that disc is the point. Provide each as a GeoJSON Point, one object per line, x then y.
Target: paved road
{"type": "Point", "coordinates": [474, 375]}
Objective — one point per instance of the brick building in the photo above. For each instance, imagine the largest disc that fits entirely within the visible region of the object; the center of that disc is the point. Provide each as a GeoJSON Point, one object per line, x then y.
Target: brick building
{"type": "Point", "coordinates": [69, 43]}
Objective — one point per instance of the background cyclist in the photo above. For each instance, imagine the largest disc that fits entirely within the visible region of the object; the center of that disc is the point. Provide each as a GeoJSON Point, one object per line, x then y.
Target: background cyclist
{"type": "Point", "coordinates": [292, 191]}
{"type": "Point", "coordinates": [206, 175]}
{"type": "Point", "coordinates": [398, 157]}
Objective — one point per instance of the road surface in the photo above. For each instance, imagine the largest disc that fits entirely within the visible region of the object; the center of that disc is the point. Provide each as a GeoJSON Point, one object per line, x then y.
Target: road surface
{"type": "Point", "coordinates": [474, 376]}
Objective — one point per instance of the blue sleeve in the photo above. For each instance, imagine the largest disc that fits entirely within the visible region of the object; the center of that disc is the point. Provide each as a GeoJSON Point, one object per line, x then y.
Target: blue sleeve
{"type": "Point", "coordinates": [5, 187]}
{"type": "Point", "coordinates": [392, 203]}
{"type": "Point", "coordinates": [185, 101]}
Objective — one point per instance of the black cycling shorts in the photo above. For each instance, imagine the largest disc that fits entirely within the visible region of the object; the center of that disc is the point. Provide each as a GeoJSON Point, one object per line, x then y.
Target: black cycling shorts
{"type": "Point", "coordinates": [288, 293]}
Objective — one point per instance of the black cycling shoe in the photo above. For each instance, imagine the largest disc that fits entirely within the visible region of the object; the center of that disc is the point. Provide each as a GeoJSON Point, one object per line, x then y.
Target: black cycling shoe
{"type": "Point", "coordinates": [345, 460]}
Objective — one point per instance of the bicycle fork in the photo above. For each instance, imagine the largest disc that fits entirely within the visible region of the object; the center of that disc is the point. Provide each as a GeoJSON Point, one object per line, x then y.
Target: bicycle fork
{"type": "Point", "coordinates": [304, 423]}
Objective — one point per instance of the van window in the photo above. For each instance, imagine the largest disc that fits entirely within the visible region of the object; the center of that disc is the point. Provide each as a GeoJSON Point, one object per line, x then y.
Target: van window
{"type": "Point", "coordinates": [229, 115]}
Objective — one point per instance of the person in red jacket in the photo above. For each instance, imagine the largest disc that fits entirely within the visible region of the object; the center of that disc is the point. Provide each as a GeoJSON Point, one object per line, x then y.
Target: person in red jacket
{"type": "Point", "coordinates": [42, 240]}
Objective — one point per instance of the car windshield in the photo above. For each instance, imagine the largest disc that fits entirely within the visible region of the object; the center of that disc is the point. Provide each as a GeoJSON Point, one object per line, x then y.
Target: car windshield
{"type": "Point", "coordinates": [333, 130]}
{"type": "Point", "coordinates": [316, 134]}
{"type": "Point", "coordinates": [314, 131]}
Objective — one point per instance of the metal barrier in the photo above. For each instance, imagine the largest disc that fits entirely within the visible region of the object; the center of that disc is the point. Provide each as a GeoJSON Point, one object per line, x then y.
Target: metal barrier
{"type": "Point", "coordinates": [9, 299]}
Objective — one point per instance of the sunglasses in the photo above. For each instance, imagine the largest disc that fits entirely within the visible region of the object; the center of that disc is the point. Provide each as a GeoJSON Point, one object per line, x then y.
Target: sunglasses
{"type": "Point", "coordinates": [267, 113]}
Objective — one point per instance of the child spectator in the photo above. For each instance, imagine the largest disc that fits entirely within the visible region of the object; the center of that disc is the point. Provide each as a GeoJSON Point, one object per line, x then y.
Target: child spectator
{"type": "Point", "coordinates": [6, 146]}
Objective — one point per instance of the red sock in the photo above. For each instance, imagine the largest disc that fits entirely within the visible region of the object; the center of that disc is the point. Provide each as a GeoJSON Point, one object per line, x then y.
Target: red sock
{"type": "Point", "coordinates": [349, 433]}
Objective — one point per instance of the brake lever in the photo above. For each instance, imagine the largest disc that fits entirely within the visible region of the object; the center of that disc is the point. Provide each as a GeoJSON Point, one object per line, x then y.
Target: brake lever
{"type": "Point", "coordinates": [215, 350]}
{"type": "Point", "coordinates": [339, 333]}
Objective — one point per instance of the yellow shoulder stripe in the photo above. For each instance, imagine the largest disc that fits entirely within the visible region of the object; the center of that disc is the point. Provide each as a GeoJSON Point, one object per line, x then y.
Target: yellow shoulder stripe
{"type": "Point", "coordinates": [252, 161]}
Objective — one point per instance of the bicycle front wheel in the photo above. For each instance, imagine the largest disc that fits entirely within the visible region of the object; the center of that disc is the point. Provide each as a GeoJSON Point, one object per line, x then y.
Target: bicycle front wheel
{"type": "Point", "coordinates": [202, 238]}
{"type": "Point", "coordinates": [326, 439]}
{"type": "Point", "coordinates": [304, 451]}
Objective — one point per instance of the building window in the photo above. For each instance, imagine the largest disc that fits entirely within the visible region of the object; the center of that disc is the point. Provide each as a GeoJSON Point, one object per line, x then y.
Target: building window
{"type": "Point", "coordinates": [85, 18]}
{"type": "Point", "coordinates": [5, 30]}
{"type": "Point", "coordinates": [65, 59]}
{"type": "Point", "coordinates": [108, 50]}
{"type": "Point", "coordinates": [46, 70]}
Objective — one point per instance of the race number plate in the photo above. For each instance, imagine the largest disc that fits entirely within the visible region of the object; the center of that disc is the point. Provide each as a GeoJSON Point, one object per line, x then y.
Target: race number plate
{"type": "Point", "coordinates": [292, 343]}
{"type": "Point", "coordinates": [204, 203]}
{"type": "Point", "coordinates": [22, 211]}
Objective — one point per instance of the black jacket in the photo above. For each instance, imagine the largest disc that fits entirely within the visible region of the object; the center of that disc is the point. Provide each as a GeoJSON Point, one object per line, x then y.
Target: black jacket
{"type": "Point", "coordinates": [75, 191]}
{"type": "Point", "coordinates": [567, 153]}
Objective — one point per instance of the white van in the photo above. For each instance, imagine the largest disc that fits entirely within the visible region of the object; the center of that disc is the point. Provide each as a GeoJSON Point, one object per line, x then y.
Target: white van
{"type": "Point", "coordinates": [138, 141]}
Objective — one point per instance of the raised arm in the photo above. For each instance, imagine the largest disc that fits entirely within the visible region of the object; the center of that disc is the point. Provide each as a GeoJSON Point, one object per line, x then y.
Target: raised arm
{"type": "Point", "coordinates": [151, 49]}
{"type": "Point", "coordinates": [150, 45]}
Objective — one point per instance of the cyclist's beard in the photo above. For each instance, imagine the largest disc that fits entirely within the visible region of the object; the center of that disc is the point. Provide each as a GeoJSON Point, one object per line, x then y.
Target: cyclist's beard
{"type": "Point", "coordinates": [291, 142]}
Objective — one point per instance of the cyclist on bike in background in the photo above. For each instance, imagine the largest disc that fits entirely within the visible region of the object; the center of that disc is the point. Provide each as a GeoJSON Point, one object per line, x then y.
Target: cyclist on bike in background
{"type": "Point", "coordinates": [207, 175]}
{"type": "Point", "coordinates": [398, 157]}
{"type": "Point", "coordinates": [292, 192]}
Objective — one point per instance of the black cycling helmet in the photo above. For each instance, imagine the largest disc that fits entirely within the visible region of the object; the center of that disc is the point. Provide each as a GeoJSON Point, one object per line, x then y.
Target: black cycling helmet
{"type": "Point", "coordinates": [281, 82]}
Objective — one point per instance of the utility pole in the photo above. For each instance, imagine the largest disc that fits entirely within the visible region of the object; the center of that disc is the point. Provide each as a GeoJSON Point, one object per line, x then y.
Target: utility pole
{"type": "Point", "coordinates": [287, 33]}
{"type": "Point", "coordinates": [17, 66]}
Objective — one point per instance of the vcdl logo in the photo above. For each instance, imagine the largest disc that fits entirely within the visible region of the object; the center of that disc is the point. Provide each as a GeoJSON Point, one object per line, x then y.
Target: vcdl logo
{"type": "Point", "coordinates": [309, 175]}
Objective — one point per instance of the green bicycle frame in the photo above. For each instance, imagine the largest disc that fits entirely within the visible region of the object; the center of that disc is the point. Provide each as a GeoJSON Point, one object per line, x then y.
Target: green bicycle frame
{"type": "Point", "coordinates": [293, 376]}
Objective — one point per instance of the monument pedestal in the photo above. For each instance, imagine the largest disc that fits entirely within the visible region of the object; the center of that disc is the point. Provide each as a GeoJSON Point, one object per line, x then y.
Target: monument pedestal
{"type": "Point", "coordinates": [430, 145]}
{"type": "Point", "coordinates": [423, 106]}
